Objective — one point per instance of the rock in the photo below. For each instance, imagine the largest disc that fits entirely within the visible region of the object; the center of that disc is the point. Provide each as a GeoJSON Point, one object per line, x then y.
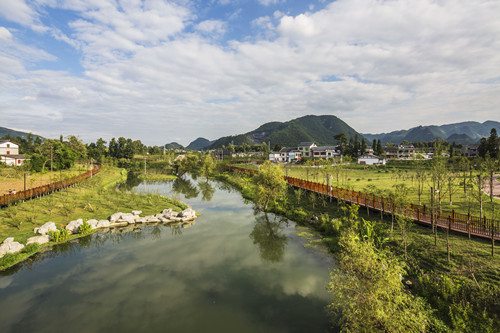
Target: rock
{"type": "Point", "coordinates": [8, 240]}
{"type": "Point", "coordinates": [187, 213]}
{"type": "Point", "coordinates": [114, 217]}
{"type": "Point", "coordinates": [9, 246]}
{"type": "Point", "coordinates": [46, 228]}
{"type": "Point", "coordinates": [136, 212]}
{"type": "Point", "coordinates": [103, 224]}
{"type": "Point", "coordinates": [73, 226]}
{"type": "Point", "coordinates": [164, 219]}
{"type": "Point", "coordinates": [38, 239]}
{"type": "Point", "coordinates": [167, 211]}
{"type": "Point", "coordinates": [152, 220]}
{"type": "Point", "coordinates": [93, 223]}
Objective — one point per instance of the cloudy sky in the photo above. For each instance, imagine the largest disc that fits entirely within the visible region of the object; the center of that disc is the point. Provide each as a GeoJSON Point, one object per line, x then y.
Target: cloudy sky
{"type": "Point", "coordinates": [174, 70]}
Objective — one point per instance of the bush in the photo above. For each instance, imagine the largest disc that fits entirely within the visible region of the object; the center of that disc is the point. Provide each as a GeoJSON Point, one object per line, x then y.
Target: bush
{"type": "Point", "coordinates": [59, 235]}
{"type": "Point", "coordinates": [85, 228]}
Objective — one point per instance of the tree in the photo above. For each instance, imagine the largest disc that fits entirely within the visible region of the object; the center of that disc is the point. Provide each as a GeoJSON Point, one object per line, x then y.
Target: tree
{"type": "Point", "coordinates": [207, 165]}
{"type": "Point", "coordinates": [368, 292]}
{"type": "Point", "coordinates": [380, 149]}
{"type": "Point", "coordinates": [490, 145]}
{"type": "Point", "coordinates": [342, 140]}
{"type": "Point", "coordinates": [270, 184]}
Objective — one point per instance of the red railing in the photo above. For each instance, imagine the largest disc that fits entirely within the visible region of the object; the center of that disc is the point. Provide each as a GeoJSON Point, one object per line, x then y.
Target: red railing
{"type": "Point", "coordinates": [467, 224]}
{"type": "Point", "coordinates": [10, 199]}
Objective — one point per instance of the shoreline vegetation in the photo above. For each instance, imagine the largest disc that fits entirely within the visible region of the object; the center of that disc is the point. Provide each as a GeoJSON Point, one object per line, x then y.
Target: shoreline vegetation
{"type": "Point", "coordinates": [93, 198]}
{"type": "Point", "coordinates": [459, 294]}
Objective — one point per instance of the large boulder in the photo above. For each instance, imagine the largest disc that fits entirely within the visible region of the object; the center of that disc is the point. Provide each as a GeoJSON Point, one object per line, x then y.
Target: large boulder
{"type": "Point", "coordinates": [115, 217]}
{"type": "Point", "coordinates": [103, 224]}
{"type": "Point", "coordinates": [187, 214]}
{"type": "Point", "coordinates": [136, 212]}
{"type": "Point", "coordinates": [9, 246]}
{"type": "Point", "coordinates": [46, 228]}
{"type": "Point", "coordinates": [73, 226]}
{"type": "Point", "coordinates": [93, 223]}
{"type": "Point", "coordinates": [38, 239]}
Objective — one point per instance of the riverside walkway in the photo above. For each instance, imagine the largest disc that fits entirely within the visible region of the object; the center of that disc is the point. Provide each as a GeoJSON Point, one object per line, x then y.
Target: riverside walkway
{"type": "Point", "coordinates": [455, 222]}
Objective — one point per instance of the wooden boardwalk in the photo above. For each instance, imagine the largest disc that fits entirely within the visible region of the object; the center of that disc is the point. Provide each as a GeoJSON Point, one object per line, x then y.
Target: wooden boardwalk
{"type": "Point", "coordinates": [456, 222]}
{"type": "Point", "coordinates": [7, 200]}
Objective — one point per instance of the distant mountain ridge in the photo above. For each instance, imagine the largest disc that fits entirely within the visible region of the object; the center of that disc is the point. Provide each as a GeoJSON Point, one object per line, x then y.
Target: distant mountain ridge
{"type": "Point", "coordinates": [199, 144]}
{"type": "Point", "coordinates": [174, 145]}
{"type": "Point", "coordinates": [467, 132]}
{"type": "Point", "coordinates": [13, 133]}
{"type": "Point", "coordinates": [318, 129]}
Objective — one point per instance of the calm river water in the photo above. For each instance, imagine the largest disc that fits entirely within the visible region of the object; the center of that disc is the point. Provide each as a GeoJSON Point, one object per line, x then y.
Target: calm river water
{"type": "Point", "coordinates": [234, 270]}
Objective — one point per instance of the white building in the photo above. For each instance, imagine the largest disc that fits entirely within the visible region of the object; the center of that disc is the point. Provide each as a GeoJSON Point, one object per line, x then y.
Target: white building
{"type": "Point", "coordinates": [290, 154]}
{"type": "Point", "coordinates": [274, 157]}
{"type": "Point", "coordinates": [325, 152]}
{"type": "Point", "coordinates": [9, 153]}
{"type": "Point", "coordinates": [305, 148]}
{"type": "Point", "coordinates": [371, 160]}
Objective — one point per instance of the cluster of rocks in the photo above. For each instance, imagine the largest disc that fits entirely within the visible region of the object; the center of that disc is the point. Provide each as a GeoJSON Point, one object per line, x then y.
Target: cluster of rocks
{"type": "Point", "coordinates": [116, 220]}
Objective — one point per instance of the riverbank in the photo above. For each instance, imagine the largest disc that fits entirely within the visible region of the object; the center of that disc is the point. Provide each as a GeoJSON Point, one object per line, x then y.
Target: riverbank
{"type": "Point", "coordinates": [95, 198]}
{"type": "Point", "coordinates": [464, 293]}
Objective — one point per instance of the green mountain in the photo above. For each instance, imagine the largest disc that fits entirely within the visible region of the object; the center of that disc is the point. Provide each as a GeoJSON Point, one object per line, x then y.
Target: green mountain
{"type": "Point", "coordinates": [318, 129]}
{"type": "Point", "coordinates": [7, 131]}
{"type": "Point", "coordinates": [472, 130]}
{"type": "Point", "coordinates": [199, 144]}
{"type": "Point", "coordinates": [174, 145]}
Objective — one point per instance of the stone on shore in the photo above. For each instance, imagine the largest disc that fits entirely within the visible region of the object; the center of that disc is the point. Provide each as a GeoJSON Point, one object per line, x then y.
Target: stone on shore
{"type": "Point", "coordinates": [103, 224]}
{"type": "Point", "coordinates": [136, 212]}
{"type": "Point", "coordinates": [93, 223]}
{"type": "Point", "coordinates": [46, 228]}
{"type": "Point", "coordinates": [73, 226]}
{"type": "Point", "coordinates": [187, 213]}
{"type": "Point", "coordinates": [9, 246]}
{"type": "Point", "coordinates": [38, 239]}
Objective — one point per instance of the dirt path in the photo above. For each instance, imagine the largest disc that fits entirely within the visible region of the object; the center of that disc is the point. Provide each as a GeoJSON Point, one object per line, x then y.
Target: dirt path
{"type": "Point", "coordinates": [496, 186]}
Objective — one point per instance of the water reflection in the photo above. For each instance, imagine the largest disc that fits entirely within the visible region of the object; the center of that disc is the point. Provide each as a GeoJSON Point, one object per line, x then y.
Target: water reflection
{"type": "Point", "coordinates": [185, 187]}
{"type": "Point", "coordinates": [207, 190]}
{"type": "Point", "coordinates": [269, 237]}
{"type": "Point", "coordinates": [132, 181]}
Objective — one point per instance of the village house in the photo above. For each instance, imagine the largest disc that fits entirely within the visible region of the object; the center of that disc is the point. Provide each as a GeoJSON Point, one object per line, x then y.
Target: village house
{"type": "Point", "coordinates": [305, 148]}
{"type": "Point", "coordinates": [471, 150]}
{"type": "Point", "coordinates": [371, 160]}
{"type": "Point", "coordinates": [399, 152]}
{"type": "Point", "coordinates": [9, 153]}
{"type": "Point", "coordinates": [325, 152]}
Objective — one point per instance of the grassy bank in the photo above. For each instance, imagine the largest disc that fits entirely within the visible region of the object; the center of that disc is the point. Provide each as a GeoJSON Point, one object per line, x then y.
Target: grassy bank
{"type": "Point", "coordinates": [464, 293]}
{"type": "Point", "coordinates": [95, 198]}
{"type": "Point", "coordinates": [381, 180]}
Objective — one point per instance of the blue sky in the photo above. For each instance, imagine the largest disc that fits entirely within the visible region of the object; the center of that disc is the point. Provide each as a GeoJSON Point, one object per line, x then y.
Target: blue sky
{"type": "Point", "coordinates": [162, 71]}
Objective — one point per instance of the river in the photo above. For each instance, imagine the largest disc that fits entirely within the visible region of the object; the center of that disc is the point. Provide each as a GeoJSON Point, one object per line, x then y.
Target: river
{"type": "Point", "coordinates": [234, 270]}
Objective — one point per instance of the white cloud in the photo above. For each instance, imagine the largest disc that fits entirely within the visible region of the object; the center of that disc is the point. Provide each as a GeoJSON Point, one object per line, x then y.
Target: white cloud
{"type": "Point", "coordinates": [269, 2]}
{"type": "Point", "coordinates": [212, 27]}
{"type": "Point", "coordinates": [396, 64]}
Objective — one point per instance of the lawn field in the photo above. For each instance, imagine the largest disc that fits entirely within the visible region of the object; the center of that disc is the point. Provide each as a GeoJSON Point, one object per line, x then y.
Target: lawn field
{"type": "Point", "coordinates": [13, 178]}
{"type": "Point", "coordinates": [382, 181]}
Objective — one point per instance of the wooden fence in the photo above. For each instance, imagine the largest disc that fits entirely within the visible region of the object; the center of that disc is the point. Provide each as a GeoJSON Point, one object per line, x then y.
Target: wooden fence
{"type": "Point", "coordinates": [461, 223]}
{"type": "Point", "coordinates": [10, 199]}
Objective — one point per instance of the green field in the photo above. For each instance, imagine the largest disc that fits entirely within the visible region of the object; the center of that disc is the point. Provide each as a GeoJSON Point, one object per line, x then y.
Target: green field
{"type": "Point", "coordinates": [382, 181]}
{"type": "Point", "coordinates": [95, 198]}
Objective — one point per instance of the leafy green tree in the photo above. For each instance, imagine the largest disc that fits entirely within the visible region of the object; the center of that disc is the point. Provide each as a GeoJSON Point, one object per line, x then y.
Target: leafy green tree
{"type": "Point", "coordinates": [368, 293]}
{"type": "Point", "coordinates": [342, 140]}
{"type": "Point", "coordinates": [207, 165]}
{"type": "Point", "coordinates": [270, 184]}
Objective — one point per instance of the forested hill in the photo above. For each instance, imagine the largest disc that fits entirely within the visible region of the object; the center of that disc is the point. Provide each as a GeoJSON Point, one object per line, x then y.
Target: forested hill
{"type": "Point", "coordinates": [318, 129]}
{"type": "Point", "coordinates": [464, 133]}
{"type": "Point", "coordinates": [199, 144]}
{"type": "Point", "coordinates": [13, 133]}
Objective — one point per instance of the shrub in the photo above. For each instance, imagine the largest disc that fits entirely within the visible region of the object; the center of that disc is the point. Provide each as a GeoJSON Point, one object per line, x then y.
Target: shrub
{"type": "Point", "coordinates": [59, 235]}
{"type": "Point", "coordinates": [85, 228]}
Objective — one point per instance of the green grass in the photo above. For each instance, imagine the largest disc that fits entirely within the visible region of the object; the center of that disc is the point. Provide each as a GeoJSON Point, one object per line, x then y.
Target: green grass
{"type": "Point", "coordinates": [384, 179]}
{"type": "Point", "coordinates": [94, 198]}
